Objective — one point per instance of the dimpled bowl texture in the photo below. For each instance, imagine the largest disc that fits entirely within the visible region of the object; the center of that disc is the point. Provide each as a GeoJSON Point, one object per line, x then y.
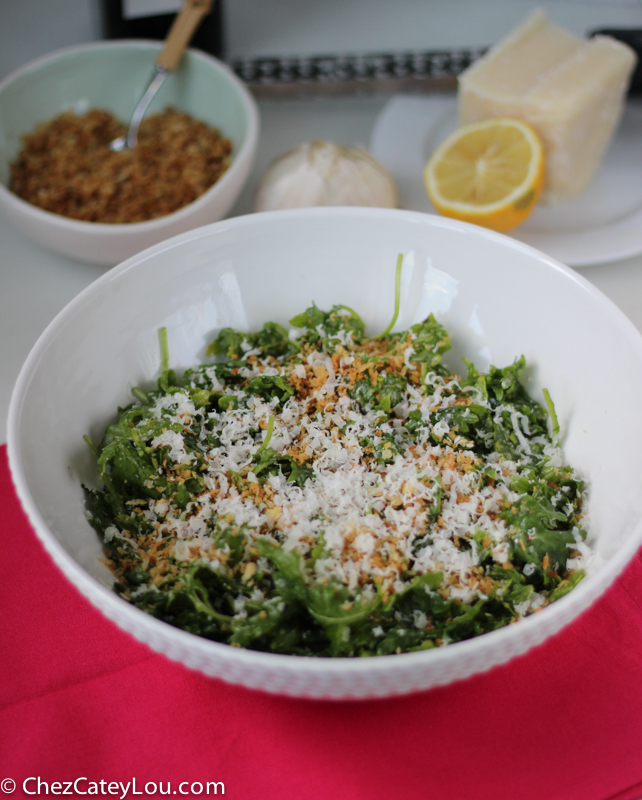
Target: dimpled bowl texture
{"type": "Point", "coordinates": [497, 297]}
{"type": "Point", "coordinates": [112, 76]}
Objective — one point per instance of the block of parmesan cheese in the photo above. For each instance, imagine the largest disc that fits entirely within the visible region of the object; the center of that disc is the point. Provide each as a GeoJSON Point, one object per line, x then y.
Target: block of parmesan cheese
{"type": "Point", "coordinates": [570, 89]}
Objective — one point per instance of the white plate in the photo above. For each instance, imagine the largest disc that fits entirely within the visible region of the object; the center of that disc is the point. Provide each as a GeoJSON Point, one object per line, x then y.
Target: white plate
{"type": "Point", "coordinates": [604, 223]}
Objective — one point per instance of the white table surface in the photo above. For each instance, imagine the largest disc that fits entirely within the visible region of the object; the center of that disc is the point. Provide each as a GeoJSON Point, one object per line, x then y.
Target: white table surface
{"type": "Point", "coordinates": [35, 284]}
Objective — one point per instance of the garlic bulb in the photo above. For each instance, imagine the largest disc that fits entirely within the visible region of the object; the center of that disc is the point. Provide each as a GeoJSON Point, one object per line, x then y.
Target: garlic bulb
{"type": "Point", "coordinates": [324, 174]}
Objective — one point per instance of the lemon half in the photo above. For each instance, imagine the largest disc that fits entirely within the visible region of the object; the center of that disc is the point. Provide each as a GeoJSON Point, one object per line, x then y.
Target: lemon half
{"type": "Point", "coordinates": [490, 173]}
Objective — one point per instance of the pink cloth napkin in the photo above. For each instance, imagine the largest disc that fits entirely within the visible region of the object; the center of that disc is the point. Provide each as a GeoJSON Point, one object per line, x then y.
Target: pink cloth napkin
{"type": "Point", "coordinates": [80, 700]}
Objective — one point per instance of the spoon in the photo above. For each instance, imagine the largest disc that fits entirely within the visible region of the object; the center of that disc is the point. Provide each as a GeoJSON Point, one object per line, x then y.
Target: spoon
{"type": "Point", "coordinates": [178, 37]}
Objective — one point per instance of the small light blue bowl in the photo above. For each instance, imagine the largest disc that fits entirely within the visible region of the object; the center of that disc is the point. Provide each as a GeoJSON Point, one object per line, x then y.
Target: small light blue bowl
{"type": "Point", "coordinates": [112, 76]}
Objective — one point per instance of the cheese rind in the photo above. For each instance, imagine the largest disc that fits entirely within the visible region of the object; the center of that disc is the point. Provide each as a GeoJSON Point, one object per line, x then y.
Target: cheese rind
{"type": "Point", "coordinates": [571, 90]}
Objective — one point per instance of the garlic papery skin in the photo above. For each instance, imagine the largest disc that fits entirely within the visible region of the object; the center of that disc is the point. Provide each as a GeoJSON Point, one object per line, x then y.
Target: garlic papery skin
{"type": "Point", "coordinates": [325, 174]}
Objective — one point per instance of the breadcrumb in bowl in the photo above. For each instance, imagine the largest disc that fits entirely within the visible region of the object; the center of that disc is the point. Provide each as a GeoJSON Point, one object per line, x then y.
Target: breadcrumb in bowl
{"type": "Point", "coordinates": [67, 167]}
{"type": "Point", "coordinates": [186, 175]}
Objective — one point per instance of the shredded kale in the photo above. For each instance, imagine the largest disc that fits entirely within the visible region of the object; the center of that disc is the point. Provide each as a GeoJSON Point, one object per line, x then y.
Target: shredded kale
{"type": "Point", "coordinates": [252, 590]}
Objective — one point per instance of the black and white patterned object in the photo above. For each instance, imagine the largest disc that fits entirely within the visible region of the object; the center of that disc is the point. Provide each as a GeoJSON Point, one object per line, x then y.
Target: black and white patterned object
{"type": "Point", "coordinates": [341, 74]}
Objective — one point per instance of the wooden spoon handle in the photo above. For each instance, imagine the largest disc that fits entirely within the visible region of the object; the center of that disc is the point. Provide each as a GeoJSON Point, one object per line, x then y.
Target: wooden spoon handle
{"type": "Point", "coordinates": [181, 32]}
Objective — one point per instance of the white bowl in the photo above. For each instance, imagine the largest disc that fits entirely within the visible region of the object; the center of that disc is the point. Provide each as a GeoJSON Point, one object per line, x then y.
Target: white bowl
{"type": "Point", "coordinates": [497, 297]}
{"type": "Point", "coordinates": [112, 76]}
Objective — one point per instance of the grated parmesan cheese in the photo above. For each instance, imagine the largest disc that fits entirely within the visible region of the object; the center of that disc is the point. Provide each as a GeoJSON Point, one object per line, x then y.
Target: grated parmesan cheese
{"type": "Point", "coordinates": [357, 461]}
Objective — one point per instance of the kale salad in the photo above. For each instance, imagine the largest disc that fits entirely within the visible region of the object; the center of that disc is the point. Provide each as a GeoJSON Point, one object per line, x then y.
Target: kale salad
{"type": "Point", "coordinates": [319, 492]}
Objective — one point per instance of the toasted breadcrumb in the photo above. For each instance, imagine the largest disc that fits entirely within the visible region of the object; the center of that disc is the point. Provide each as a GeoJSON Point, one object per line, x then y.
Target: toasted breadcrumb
{"type": "Point", "coordinates": [67, 167]}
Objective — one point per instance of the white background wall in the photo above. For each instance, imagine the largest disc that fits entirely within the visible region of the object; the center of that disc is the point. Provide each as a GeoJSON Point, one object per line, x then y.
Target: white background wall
{"type": "Point", "coordinates": [29, 28]}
